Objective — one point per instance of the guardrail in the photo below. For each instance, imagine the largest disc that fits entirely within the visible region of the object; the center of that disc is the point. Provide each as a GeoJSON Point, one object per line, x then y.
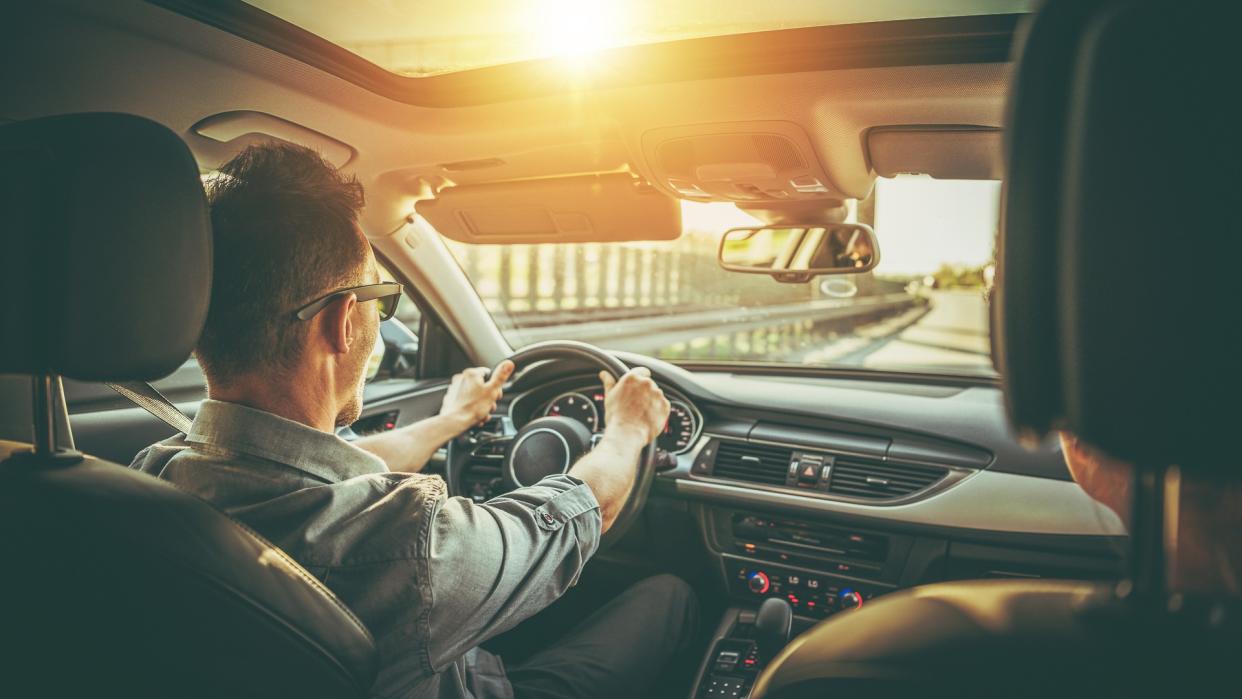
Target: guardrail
{"type": "Point", "coordinates": [656, 328]}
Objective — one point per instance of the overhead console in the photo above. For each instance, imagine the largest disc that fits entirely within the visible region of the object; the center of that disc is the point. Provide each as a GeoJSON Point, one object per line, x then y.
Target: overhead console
{"type": "Point", "coordinates": [747, 161]}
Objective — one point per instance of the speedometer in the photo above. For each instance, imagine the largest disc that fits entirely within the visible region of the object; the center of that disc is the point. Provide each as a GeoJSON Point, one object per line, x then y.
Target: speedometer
{"type": "Point", "coordinates": [576, 406]}
{"type": "Point", "coordinates": [679, 429]}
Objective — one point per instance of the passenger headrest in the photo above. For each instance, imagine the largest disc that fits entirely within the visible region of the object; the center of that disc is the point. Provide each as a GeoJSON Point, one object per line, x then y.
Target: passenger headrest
{"type": "Point", "coordinates": [1118, 305]}
{"type": "Point", "coordinates": [107, 248]}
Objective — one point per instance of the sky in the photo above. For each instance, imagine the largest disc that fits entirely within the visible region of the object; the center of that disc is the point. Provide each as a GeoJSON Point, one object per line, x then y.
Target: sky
{"type": "Point", "coordinates": [921, 223]}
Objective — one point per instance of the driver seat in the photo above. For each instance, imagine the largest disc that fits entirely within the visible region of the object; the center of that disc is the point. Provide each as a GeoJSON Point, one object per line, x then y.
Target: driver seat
{"type": "Point", "coordinates": [116, 583]}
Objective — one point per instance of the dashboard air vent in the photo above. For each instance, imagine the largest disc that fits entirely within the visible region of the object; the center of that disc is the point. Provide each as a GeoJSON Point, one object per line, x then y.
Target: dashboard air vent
{"type": "Point", "coordinates": [879, 480]}
{"type": "Point", "coordinates": [755, 463]}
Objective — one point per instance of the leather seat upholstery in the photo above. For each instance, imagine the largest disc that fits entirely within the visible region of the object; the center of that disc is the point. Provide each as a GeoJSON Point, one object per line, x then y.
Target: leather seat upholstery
{"type": "Point", "coordinates": [1115, 318]}
{"type": "Point", "coordinates": [1002, 638]}
{"type": "Point", "coordinates": [116, 583]}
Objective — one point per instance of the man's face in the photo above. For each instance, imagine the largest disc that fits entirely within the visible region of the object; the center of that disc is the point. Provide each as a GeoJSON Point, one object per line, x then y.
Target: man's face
{"type": "Point", "coordinates": [365, 318]}
{"type": "Point", "coordinates": [1106, 480]}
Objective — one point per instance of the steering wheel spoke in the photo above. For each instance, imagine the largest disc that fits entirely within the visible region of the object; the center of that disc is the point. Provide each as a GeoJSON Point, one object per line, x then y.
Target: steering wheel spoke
{"type": "Point", "coordinates": [491, 448]}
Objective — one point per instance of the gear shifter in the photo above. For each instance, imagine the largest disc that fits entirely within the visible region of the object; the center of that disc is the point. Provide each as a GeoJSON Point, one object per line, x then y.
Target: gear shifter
{"type": "Point", "coordinates": [773, 622]}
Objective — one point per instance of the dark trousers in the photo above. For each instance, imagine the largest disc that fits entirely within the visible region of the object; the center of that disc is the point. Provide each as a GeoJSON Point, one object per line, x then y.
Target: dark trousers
{"type": "Point", "coordinates": [618, 651]}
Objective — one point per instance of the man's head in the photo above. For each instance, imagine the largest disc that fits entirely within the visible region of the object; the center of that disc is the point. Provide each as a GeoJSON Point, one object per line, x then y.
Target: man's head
{"type": "Point", "coordinates": [285, 228]}
{"type": "Point", "coordinates": [1209, 516]}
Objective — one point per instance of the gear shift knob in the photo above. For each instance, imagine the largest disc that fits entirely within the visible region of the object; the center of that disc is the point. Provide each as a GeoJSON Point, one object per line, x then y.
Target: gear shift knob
{"type": "Point", "coordinates": [773, 622]}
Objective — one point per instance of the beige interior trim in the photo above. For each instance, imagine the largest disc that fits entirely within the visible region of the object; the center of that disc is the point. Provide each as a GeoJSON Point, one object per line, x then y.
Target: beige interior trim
{"type": "Point", "coordinates": [608, 207]}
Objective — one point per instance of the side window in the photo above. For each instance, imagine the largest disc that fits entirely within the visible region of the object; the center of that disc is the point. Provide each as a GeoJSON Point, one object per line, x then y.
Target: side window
{"type": "Point", "coordinates": [186, 384]}
{"type": "Point", "coordinates": [400, 336]}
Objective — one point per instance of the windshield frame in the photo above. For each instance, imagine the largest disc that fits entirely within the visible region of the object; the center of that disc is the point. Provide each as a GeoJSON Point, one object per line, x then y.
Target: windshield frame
{"type": "Point", "coordinates": [934, 41]}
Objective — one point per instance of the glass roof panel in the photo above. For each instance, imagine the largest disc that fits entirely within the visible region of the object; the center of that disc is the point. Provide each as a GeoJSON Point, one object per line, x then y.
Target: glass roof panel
{"type": "Point", "coordinates": [419, 38]}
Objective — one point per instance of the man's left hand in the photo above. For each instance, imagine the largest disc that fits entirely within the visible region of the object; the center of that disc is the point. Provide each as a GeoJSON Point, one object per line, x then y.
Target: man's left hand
{"type": "Point", "coordinates": [472, 395]}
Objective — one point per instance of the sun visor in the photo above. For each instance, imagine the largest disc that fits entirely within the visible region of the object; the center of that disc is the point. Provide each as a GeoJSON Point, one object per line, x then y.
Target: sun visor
{"type": "Point", "coordinates": [943, 152]}
{"type": "Point", "coordinates": [581, 209]}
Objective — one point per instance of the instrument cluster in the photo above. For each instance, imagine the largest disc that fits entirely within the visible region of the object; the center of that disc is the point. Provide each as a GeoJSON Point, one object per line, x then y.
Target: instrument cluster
{"type": "Point", "coordinates": [586, 405]}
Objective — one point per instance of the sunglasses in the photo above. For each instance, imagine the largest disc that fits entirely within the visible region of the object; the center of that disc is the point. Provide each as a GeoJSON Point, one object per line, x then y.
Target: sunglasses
{"type": "Point", "coordinates": [386, 294]}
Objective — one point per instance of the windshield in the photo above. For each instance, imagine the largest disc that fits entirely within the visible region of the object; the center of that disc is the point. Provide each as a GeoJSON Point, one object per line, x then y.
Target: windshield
{"type": "Point", "coordinates": [922, 309]}
{"type": "Point", "coordinates": [414, 38]}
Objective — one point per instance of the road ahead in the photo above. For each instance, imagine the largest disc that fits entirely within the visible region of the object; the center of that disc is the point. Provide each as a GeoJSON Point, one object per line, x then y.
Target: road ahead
{"type": "Point", "coordinates": [951, 334]}
{"type": "Point", "coordinates": [954, 334]}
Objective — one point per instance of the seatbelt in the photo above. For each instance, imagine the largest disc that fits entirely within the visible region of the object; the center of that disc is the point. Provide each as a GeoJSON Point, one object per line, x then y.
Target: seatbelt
{"type": "Point", "coordinates": [145, 396]}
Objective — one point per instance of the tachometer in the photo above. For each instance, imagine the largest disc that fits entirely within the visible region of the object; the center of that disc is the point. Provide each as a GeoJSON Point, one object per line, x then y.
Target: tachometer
{"type": "Point", "coordinates": [679, 429]}
{"type": "Point", "coordinates": [576, 406]}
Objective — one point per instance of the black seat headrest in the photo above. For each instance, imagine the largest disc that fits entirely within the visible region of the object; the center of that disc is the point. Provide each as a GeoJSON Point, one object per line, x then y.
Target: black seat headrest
{"type": "Point", "coordinates": [107, 242]}
{"type": "Point", "coordinates": [1116, 312]}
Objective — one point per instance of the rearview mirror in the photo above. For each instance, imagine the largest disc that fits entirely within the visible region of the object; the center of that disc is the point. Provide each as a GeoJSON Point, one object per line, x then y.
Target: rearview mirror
{"type": "Point", "coordinates": [798, 253]}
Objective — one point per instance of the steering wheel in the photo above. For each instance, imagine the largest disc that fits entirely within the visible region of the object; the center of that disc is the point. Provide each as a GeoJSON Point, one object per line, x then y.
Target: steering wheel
{"type": "Point", "coordinates": [552, 444]}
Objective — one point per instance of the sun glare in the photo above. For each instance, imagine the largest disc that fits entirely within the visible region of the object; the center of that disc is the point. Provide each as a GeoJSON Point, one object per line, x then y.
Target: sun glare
{"type": "Point", "coordinates": [576, 28]}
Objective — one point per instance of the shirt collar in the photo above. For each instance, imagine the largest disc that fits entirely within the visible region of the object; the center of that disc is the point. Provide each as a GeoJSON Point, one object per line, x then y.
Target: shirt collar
{"type": "Point", "coordinates": [254, 432]}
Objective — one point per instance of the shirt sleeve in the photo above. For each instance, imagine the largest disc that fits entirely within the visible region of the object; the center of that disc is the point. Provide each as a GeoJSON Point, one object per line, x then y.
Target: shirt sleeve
{"type": "Point", "coordinates": [491, 565]}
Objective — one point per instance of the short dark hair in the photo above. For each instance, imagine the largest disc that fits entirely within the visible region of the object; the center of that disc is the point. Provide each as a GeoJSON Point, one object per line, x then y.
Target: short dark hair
{"type": "Point", "coordinates": [285, 232]}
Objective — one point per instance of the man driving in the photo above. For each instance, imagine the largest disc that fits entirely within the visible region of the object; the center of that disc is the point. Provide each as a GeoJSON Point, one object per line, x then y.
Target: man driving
{"type": "Point", "coordinates": [295, 310]}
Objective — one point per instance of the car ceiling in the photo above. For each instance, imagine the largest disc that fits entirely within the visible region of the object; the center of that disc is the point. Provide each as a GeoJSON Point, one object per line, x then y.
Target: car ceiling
{"type": "Point", "coordinates": [140, 58]}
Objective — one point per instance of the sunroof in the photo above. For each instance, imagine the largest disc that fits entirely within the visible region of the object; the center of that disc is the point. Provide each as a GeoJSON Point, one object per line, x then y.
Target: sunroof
{"type": "Point", "coordinates": [420, 38]}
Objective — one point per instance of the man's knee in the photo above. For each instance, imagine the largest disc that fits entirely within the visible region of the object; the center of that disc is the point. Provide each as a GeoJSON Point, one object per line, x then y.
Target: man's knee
{"type": "Point", "coordinates": [671, 600]}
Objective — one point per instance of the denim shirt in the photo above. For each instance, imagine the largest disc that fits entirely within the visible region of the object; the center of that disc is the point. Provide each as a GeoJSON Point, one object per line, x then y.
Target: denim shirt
{"type": "Point", "coordinates": [431, 576]}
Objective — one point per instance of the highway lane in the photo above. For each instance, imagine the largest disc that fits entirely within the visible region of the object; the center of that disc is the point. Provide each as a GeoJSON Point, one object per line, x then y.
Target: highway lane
{"type": "Point", "coordinates": [951, 334]}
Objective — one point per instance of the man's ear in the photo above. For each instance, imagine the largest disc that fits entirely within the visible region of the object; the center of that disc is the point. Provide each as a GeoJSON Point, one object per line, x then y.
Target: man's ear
{"type": "Point", "coordinates": [337, 324]}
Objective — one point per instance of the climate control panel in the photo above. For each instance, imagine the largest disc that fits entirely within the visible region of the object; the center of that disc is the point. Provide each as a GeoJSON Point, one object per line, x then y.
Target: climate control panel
{"type": "Point", "coordinates": [810, 594]}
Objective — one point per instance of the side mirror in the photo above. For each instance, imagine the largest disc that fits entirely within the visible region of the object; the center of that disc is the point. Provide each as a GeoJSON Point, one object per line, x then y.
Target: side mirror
{"type": "Point", "coordinates": [400, 351]}
{"type": "Point", "coordinates": [798, 253]}
{"type": "Point", "coordinates": [376, 360]}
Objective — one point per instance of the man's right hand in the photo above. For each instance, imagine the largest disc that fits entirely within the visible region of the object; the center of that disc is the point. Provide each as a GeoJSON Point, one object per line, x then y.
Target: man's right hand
{"type": "Point", "coordinates": [634, 406]}
{"type": "Point", "coordinates": [635, 412]}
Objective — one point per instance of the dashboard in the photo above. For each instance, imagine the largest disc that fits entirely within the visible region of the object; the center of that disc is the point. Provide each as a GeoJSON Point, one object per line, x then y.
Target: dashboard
{"type": "Point", "coordinates": [826, 492]}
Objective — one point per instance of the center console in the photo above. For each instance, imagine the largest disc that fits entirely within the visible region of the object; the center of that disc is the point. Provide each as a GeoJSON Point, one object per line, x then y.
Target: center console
{"type": "Point", "coordinates": [820, 569]}
{"type": "Point", "coordinates": [817, 569]}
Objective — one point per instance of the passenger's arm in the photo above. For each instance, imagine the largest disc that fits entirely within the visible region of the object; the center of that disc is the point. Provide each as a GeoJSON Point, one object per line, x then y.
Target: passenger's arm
{"type": "Point", "coordinates": [470, 399]}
